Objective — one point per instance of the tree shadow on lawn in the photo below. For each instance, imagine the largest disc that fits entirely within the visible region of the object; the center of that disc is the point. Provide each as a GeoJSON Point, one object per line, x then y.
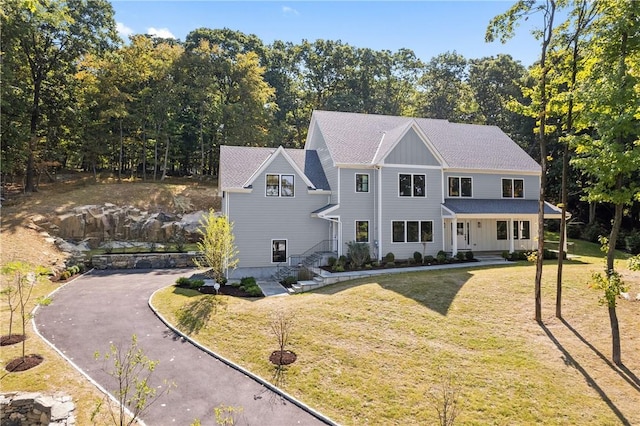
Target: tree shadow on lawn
{"type": "Point", "coordinates": [569, 360]}
{"type": "Point", "coordinates": [435, 291]}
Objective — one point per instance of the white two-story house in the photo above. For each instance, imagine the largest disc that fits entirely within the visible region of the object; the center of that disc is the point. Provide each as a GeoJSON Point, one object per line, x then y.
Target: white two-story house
{"type": "Point", "coordinates": [400, 184]}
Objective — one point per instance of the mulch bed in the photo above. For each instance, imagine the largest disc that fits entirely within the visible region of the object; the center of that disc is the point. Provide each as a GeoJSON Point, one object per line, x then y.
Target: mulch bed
{"type": "Point", "coordinates": [22, 364]}
{"type": "Point", "coordinates": [286, 358]}
{"type": "Point", "coordinates": [11, 340]}
{"type": "Point", "coordinates": [226, 290]}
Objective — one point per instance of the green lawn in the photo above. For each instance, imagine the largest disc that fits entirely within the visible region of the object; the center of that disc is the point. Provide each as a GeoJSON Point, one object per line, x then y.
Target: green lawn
{"type": "Point", "coordinates": [371, 351]}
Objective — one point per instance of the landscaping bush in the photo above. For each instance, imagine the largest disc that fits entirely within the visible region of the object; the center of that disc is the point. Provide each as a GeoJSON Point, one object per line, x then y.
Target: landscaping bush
{"type": "Point", "coordinates": [249, 285]}
{"type": "Point", "coordinates": [389, 258]}
{"type": "Point", "coordinates": [411, 261]}
{"type": "Point", "coordinates": [390, 265]}
{"type": "Point", "coordinates": [358, 253]}
{"type": "Point", "coordinates": [461, 256]}
{"type": "Point", "coordinates": [441, 257]}
{"type": "Point", "coordinates": [417, 257]}
{"type": "Point", "coordinates": [516, 255]}
{"type": "Point", "coordinates": [342, 261]}
{"type": "Point", "coordinates": [247, 281]}
{"type": "Point", "coordinates": [331, 262]}
{"type": "Point", "coordinates": [593, 232]}
{"type": "Point", "coordinates": [289, 281]}
{"type": "Point", "coordinates": [185, 282]}
{"type": "Point", "coordinates": [632, 242]}
{"type": "Point", "coordinates": [429, 259]}
{"type": "Point", "coordinates": [338, 268]}
{"type": "Point", "coordinates": [469, 255]}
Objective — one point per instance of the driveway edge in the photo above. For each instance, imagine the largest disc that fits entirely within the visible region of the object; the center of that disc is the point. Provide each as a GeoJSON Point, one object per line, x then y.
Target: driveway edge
{"type": "Point", "coordinates": [231, 364]}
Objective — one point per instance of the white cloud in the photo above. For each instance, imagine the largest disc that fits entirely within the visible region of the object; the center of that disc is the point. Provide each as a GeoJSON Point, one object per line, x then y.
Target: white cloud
{"type": "Point", "coordinates": [123, 30]}
{"type": "Point", "coordinates": [160, 32]}
{"type": "Point", "coordinates": [289, 10]}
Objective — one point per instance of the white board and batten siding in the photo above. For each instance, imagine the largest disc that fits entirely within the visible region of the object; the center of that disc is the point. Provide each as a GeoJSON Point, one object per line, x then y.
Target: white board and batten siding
{"type": "Point", "coordinates": [281, 218]}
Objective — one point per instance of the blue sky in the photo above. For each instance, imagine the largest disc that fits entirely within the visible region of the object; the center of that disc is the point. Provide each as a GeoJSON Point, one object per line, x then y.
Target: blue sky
{"type": "Point", "coordinates": [426, 27]}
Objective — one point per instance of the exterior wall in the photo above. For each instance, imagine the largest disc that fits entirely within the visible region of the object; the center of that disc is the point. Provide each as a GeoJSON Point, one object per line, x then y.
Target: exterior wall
{"type": "Point", "coordinates": [357, 206]}
{"type": "Point", "coordinates": [489, 185]}
{"type": "Point", "coordinates": [258, 219]}
{"type": "Point", "coordinates": [483, 234]}
{"type": "Point", "coordinates": [395, 208]}
{"type": "Point", "coordinates": [411, 149]}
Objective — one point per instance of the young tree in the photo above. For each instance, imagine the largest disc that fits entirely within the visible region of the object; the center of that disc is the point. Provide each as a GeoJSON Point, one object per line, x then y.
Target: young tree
{"type": "Point", "coordinates": [24, 277]}
{"type": "Point", "coordinates": [282, 324]}
{"type": "Point", "coordinates": [503, 26]}
{"type": "Point", "coordinates": [219, 253]}
{"type": "Point", "coordinates": [610, 154]}
{"type": "Point", "coordinates": [132, 370]}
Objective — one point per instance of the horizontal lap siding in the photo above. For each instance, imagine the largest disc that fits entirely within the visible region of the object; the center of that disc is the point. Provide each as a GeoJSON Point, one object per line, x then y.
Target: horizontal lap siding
{"type": "Point", "coordinates": [489, 186]}
{"type": "Point", "coordinates": [258, 219]}
{"type": "Point", "coordinates": [411, 208]}
{"type": "Point", "coordinates": [356, 206]}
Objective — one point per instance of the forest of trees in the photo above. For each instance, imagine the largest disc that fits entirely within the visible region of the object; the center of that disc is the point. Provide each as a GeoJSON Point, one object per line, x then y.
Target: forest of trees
{"type": "Point", "coordinates": [76, 96]}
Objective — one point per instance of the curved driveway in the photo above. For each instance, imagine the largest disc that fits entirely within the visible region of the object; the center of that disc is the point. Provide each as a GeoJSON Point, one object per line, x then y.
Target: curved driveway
{"type": "Point", "coordinates": [101, 308]}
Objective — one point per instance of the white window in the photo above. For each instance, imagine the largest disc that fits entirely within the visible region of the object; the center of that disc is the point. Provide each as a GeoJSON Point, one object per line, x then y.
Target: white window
{"type": "Point", "coordinates": [362, 182]}
{"type": "Point", "coordinates": [412, 185]}
{"type": "Point", "coordinates": [362, 231]}
{"type": "Point", "coordinates": [512, 188]}
{"type": "Point", "coordinates": [521, 230]}
{"type": "Point", "coordinates": [278, 251]}
{"type": "Point", "coordinates": [412, 231]}
{"type": "Point", "coordinates": [460, 187]}
{"type": "Point", "coordinates": [280, 185]}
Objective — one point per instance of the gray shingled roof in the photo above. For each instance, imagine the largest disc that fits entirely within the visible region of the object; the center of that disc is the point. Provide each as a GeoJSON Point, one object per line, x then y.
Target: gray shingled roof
{"type": "Point", "coordinates": [354, 138]}
{"type": "Point", "coordinates": [239, 163]}
{"type": "Point", "coordinates": [506, 206]}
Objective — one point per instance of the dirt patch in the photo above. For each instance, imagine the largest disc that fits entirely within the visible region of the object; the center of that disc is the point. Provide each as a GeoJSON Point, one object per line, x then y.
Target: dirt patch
{"type": "Point", "coordinates": [23, 364]}
{"type": "Point", "coordinates": [9, 340]}
{"type": "Point", "coordinates": [282, 357]}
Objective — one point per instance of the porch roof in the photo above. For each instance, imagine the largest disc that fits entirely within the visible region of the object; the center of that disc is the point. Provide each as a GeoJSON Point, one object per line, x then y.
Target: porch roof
{"type": "Point", "coordinates": [323, 210]}
{"type": "Point", "coordinates": [481, 207]}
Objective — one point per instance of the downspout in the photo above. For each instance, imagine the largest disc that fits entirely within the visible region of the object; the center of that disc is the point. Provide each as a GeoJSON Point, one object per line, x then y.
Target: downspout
{"type": "Point", "coordinates": [379, 191]}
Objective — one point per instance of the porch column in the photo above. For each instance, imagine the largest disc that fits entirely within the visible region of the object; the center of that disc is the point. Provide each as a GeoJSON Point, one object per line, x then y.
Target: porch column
{"type": "Point", "coordinates": [510, 230]}
{"type": "Point", "coordinates": [454, 236]}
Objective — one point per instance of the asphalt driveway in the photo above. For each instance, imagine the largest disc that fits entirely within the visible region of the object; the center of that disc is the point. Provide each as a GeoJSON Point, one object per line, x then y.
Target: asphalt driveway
{"type": "Point", "coordinates": [105, 307]}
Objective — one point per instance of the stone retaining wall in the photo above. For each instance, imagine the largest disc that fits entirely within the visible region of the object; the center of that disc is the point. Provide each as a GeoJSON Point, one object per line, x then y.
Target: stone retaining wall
{"type": "Point", "coordinates": [144, 260]}
{"type": "Point", "coordinates": [35, 409]}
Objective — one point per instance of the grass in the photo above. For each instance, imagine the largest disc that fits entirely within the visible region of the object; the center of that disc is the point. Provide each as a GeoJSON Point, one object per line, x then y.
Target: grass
{"type": "Point", "coordinates": [371, 351]}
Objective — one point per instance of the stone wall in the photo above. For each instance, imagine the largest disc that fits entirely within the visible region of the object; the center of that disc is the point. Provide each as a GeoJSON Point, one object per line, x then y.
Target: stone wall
{"type": "Point", "coordinates": [144, 260]}
{"type": "Point", "coordinates": [35, 409]}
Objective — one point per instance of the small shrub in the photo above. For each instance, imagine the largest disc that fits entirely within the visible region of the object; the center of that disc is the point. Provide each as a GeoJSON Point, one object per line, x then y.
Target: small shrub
{"type": "Point", "coordinates": [153, 247]}
{"type": "Point", "coordinates": [65, 275]}
{"type": "Point", "coordinates": [197, 283]}
{"type": "Point", "coordinates": [441, 256]}
{"type": "Point", "coordinates": [429, 259]}
{"type": "Point", "coordinates": [338, 268]}
{"type": "Point", "coordinates": [411, 261]}
{"type": "Point", "coordinates": [593, 232]}
{"type": "Point", "coordinates": [254, 291]}
{"type": "Point", "coordinates": [222, 280]}
{"type": "Point", "coordinates": [389, 258]}
{"type": "Point", "coordinates": [342, 260]}
{"type": "Point", "coordinates": [632, 242]}
{"type": "Point", "coordinates": [289, 281]}
{"type": "Point", "coordinates": [183, 282]}
{"type": "Point", "coordinates": [375, 264]}
{"type": "Point", "coordinates": [247, 281]}
{"type": "Point", "coordinates": [331, 262]}
{"type": "Point", "coordinates": [358, 253]}
{"type": "Point", "coordinates": [461, 255]}
{"type": "Point", "coordinates": [417, 257]}
{"type": "Point", "coordinates": [506, 255]}
{"type": "Point", "coordinates": [390, 265]}
{"type": "Point", "coordinates": [469, 255]}
{"type": "Point", "coordinates": [179, 241]}
{"type": "Point", "coordinates": [305, 274]}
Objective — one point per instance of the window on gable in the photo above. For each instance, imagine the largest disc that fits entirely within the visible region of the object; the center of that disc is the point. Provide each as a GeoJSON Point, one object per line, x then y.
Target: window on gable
{"type": "Point", "coordinates": [411, 185]}
{"type": "Point", "coordinates": [278, 251]}
{"type": "Point", "coordinates": [280, 186]}
{"type": "Point", "coordinates": [362, 231]}
{"type": "Point", "coordinates": [460, 187]}
{"type": "Point", "coordinates": [512, 188]}
{"type": "Point", "coordinates": [362, 182]}
{"type": "Point", "coordinates": [502, 230]}
{"type": "Point", "coordinates": [412, 231]}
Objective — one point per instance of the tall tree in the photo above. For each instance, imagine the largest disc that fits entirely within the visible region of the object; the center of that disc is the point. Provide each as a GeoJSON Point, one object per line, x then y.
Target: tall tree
{"type": "Point", "coordinates": [610, 155]}
{"type": "Point", "coordinates": [51, 36]}
{"type": "Point", "coordinates": [503, 26]}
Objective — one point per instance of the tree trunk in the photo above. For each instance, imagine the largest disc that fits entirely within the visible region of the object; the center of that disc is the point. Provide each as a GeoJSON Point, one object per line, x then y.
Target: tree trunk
{"type": "Point", "coordinates": [120, 154]}
{"type": "Point", "coordinates": [166, 158]}
{"type": "Point", "coordinates": [592, 212]}
{"type": "Point", "coordinates": [543, 160]}
{"type": "Point", "coordinates": [30, 185]}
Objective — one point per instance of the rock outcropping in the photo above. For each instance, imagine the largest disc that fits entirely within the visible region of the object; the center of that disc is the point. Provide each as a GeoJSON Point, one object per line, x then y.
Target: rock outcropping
{"type": "Point", "coordinates": [95, 224]}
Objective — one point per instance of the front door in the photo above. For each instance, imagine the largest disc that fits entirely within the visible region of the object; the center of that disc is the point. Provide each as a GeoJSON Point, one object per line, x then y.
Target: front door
{"type": "Point", "coordinates": [463, 232]}
{"type": "Point", "coordinates": [335, 231]}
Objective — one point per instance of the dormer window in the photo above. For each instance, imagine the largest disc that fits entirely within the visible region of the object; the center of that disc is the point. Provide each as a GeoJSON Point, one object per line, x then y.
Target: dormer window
{"type": "Point", "coordinates": [280, 185]}
{"type": "Point", "coordinates": [512, 188]}
{"type": "Point", "coordinates": [460, 187]}
{"type": "Point", "coordinates": [412, 185]}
